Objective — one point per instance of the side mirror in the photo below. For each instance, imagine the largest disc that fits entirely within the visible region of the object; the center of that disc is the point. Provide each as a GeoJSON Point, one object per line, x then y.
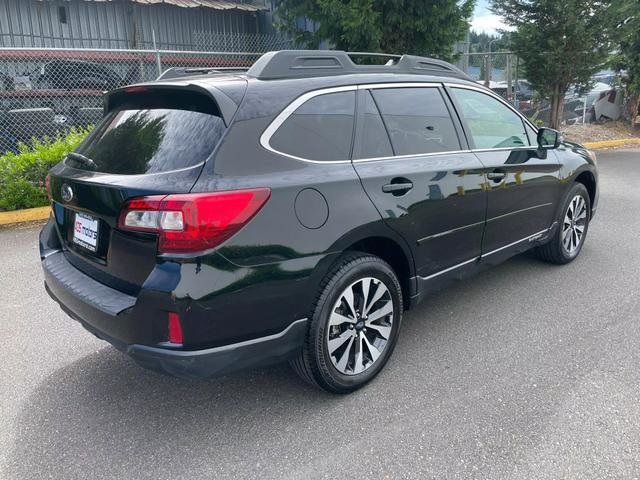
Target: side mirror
{"type": "Point", "coordinates": [548, 138]}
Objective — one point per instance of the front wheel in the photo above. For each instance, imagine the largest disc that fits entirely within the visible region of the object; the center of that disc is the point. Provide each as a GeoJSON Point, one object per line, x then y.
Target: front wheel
{"type": "Point", "coordinates": [573, 223]}
{"type": "Point", "coordinates": [354, 326]}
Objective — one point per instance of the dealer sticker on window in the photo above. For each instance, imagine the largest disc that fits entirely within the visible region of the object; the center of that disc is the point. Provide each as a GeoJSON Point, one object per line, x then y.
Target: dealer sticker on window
{"type": "Point", "coordinates": [85, 231]}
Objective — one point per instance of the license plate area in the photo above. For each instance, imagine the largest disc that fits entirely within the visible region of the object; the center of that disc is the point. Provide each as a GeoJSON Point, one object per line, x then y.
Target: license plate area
{"type": "Point", "coordinates": [86, 231]}
{"type": "Point", "coordinates": [99, 255]}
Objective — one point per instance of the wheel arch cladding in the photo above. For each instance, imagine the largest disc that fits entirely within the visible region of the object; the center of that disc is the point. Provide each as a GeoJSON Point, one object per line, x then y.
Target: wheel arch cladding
{"type": "Point", "coordinates": [392, 253]}
{"type": "Point", "coordinates": [589, 181]}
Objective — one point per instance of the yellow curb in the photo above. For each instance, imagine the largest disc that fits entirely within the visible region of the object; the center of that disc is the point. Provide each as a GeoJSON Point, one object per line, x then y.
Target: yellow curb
{"type": "Point", "coordinates": [621, 142]}
{"type": "Point", "coordinates": [21, 216]}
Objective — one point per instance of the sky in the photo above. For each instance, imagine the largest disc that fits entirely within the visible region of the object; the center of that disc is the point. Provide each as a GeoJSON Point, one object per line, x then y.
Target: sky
{"type": "Point", "coordinates": [485, 21]}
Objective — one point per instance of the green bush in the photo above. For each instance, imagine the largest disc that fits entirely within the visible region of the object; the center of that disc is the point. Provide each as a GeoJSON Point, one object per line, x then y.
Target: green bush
{"type": "Point", "coordinates": [536, 121]}
{"type": "Point", "coordinates": [22, 174]}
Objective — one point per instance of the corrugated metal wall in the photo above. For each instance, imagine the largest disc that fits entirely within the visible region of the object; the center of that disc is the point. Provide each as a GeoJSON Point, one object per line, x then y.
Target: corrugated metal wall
{"type": "Point", "coordinates": [116, 24]}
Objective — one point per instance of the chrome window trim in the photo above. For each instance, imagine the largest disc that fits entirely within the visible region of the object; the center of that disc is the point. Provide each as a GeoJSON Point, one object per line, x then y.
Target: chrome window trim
{"type": "Point", "coordinates": [265, 138]}
{"type": "Point", "coordinates": [501, 149]}
{"type": "Point", "coordinates": [374, 86]}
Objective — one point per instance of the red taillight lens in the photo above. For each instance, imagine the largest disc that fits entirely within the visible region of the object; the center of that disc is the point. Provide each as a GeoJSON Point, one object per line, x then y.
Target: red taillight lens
{"type": "Point", "coordinates": [192, 222]}
{"type": "Point", "coordinates": [174, 328]}
{"type": "Point", "coordinates": [47, 186]}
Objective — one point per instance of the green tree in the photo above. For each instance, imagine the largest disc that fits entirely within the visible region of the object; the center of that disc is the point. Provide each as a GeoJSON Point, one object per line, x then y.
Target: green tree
{"type": "Point", "coordinates": [627, 57]}
{"type": "Point", "coordinates": [424, 27]}
{"type": "Point", "coordinates": [560, 43]}
{"type": "Point", "coordinates": [480, 42]}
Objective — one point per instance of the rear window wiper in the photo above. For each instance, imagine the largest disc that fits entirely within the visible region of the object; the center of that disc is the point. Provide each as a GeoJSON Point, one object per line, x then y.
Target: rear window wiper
{"type": "Point", "coordinates": [81, 159]}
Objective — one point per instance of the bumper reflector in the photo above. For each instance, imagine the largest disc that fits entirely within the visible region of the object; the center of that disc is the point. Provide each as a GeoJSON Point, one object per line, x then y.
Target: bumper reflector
{"type": "Point", "coordinates": [175, 328]}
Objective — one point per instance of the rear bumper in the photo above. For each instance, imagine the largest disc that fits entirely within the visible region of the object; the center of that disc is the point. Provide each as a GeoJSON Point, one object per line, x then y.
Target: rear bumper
{"type": "Point", "coordinates": [111, 315]}
{"type": "Point", "coordinates": [219, 360]}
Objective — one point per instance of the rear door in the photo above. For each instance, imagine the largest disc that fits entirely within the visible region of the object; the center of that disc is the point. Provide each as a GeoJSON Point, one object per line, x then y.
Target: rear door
{"type": "Point", "coordinates": [523, 184]}
{"type": "Point", "coordinates": [414, 165]}
{"type": "Point", "coordinates": [150, 143]}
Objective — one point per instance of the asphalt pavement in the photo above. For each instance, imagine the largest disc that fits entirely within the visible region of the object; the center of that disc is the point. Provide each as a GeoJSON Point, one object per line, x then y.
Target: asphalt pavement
{"type": "Point", "coordinates": [526, 371]}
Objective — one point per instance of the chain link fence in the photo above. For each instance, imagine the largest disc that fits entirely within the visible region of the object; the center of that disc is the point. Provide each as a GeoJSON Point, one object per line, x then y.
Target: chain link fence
{"type": "Point", "coordinates": [502, 72]}
{"type": "Point", "coordinates": [46, 91]}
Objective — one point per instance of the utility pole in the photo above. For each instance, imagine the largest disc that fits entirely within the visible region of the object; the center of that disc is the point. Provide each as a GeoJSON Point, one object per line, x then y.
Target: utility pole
{"type": "Point", "coordinates": [508, 70]}
{"type": "Point", "coordinates": [488, 65]}
{"type": "Point", "coordinates": [487, 70]}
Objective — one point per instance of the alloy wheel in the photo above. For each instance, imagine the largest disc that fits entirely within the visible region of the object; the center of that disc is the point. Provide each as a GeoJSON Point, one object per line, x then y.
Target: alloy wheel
{"type": "Point", "coordinates": [574, 224]}
{"type": "Point", "coordinates": [360, 325]}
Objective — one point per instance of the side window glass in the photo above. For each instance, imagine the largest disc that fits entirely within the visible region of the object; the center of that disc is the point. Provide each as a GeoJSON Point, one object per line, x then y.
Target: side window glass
{"type": "Point", "coordinates": [320, 129]}
{"type": "Point", "coordinates": [417, 120]}
{"type": "Point", "coordinates": [533, 134]}
{"type": "Point", "coordinates": [372, 140]}
{"type": "Point", "coordinates": [491, 123]}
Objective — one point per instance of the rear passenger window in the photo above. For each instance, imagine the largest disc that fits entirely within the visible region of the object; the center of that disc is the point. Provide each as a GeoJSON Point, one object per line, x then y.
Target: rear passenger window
{"type": "Point", "coordinates": [320, 129]}
{"type": "Point", "coordinates": [373, 140]}
{"type": "Point", "coordinates": [417, 120]}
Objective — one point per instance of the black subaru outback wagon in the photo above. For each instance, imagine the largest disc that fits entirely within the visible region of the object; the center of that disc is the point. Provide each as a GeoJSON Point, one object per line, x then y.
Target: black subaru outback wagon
{"type": "Point", "coordinates": [222, 220]}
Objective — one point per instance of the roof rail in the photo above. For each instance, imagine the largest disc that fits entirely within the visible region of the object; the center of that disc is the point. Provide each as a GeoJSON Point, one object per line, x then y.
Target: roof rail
{"type": "Point", "coordinates": [320, 63]}
{"type": "Point", "coordinates": [177, 72]}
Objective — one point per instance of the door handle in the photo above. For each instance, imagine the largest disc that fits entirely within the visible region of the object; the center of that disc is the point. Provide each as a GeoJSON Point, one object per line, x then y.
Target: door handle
{"type": "Point", "coordinates": [497, 176]}
{"type": "Point", "coordinates": [398, 188]}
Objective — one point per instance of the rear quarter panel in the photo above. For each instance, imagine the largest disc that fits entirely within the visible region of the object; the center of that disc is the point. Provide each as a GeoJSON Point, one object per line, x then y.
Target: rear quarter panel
{"type": "Point", "coordinates": [275, 263]}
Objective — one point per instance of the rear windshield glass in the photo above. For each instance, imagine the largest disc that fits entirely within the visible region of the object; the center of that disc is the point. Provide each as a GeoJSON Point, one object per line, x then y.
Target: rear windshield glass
{"type": "Point", "coordinates": [132, 141]}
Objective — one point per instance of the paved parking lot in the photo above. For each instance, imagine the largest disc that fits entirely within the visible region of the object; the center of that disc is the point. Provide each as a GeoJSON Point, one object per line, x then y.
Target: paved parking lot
{"type": "Point", "coordinates": [526, 371]}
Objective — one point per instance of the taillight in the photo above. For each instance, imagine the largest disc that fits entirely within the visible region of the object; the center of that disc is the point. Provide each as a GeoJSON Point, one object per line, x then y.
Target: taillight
{"type": "Point", "coordinates": [192, 222]}
{"type": "Point", "coordinates": [47, 186]}
{"type": "Point", "coordinates": [174, 328]}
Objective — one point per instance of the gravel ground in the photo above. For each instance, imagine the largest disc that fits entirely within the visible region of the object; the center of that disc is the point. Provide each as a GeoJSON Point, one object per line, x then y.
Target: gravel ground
{"type": "Point", "coordinates": [594, 132]}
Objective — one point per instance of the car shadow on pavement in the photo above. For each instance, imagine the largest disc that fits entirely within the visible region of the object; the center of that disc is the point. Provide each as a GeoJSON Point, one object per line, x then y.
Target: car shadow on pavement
{"type": "Point", "coordinates": [103, 413]}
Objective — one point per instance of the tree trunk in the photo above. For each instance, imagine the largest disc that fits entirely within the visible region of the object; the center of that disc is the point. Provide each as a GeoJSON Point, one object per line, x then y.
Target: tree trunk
{"type": "Point", "coordinates": [553, 112]}
{"type": "Point", "coordinates": [557, 106]}
{"type": "Point", "coordinates": [633, 104]}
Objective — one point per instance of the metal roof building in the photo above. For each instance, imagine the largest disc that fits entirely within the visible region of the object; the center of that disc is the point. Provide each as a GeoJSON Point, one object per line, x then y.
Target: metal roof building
{"type": "Point", "coordinates": [175, 24]}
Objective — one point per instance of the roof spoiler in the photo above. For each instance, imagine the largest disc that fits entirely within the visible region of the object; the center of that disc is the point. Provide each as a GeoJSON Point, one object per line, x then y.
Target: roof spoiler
{"type": "Point", "coordinates": [226, 107]}
{"type": "Point", "coordinates": [179, 72]}
{"type": "Point", "coordinates": [319, 63]}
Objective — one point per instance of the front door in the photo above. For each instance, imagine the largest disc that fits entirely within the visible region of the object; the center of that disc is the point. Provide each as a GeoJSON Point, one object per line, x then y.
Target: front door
{"type": "Point", "coordinates": [414, 164]}
{"type": "Point", "coordinates": [523, 184]}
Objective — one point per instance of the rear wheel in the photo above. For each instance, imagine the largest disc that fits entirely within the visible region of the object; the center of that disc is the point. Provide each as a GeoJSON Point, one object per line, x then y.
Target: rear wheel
{"type": "Point", "coordinates": [573, 223]}
{"type": "Point", "coordinates": [354, 326]}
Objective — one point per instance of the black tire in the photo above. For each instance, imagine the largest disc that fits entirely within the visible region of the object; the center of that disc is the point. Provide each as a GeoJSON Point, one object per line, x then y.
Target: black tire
{"type": "Point", "coordinates": [554, 251]}
{"type": "Point", "coordinates": [314, 363]}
